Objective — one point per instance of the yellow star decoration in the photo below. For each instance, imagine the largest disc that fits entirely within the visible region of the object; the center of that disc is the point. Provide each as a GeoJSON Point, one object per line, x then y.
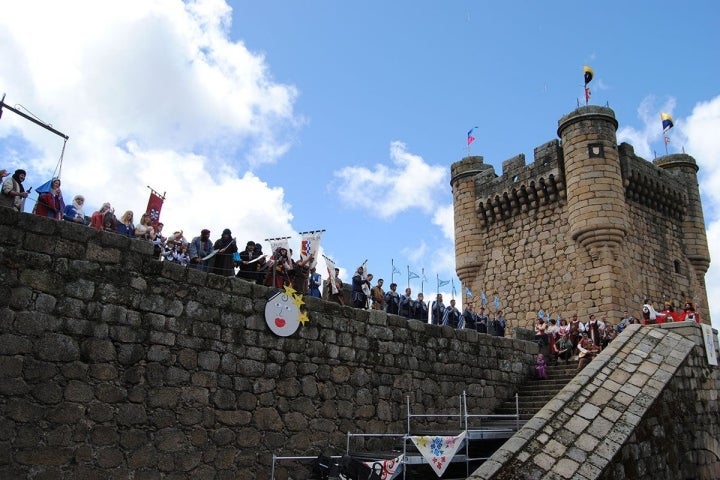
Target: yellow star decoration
{"type": "Point", "coordinates": [298, 301]}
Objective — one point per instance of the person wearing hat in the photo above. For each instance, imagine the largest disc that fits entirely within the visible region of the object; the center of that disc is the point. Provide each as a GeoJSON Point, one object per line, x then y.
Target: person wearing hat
{"type": "Point", "coordinates": [223, 263]}
{"type": "Point", "coordinates": [199, 248]}
{"type": "Point", "coordinates": [13, 193]}
{"type": "Point", "coordinates": [247, 267]}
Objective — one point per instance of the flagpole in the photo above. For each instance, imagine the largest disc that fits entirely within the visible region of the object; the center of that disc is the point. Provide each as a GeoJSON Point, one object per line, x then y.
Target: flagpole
{"type": "Point", "coordinates": [422, 282]}
{"type": "Point", "coordinates": [392, 273]}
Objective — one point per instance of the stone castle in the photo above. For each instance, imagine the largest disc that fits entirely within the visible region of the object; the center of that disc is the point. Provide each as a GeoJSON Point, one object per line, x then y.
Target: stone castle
{"type": "Point", "coordinates": [588, 228]}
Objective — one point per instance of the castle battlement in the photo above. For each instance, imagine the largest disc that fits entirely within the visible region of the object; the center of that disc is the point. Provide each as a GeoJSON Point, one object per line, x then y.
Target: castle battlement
{"type": "Point", "coordinates": [587, 227]}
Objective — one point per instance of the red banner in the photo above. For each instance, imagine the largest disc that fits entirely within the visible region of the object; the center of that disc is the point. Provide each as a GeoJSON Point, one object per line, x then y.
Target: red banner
{"type": "Point", "coordinates": [155, 203]}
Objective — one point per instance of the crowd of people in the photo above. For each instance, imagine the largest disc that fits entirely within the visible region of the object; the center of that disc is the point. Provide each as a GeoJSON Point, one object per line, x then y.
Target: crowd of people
{"type": "Point", "coordinates": [278, 269]}
{"type": "Point", "coordinates": [365, 295]}
{"type": "Point", "coordinates": [566, 340]}
{"type": "Point", "coordinates": [585, 339]}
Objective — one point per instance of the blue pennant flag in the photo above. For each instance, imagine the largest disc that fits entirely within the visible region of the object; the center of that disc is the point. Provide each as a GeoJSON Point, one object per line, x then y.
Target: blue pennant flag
{"type": "Point", "coordinates": [541, 313]}
{"type": "Point", "coordinates": [45, 187]}
{"type": "Point", "coordinates": [497, 303]}
{"type": "Point", "coordinates": [412, 275]}
{"type": "Point", "coordinates": [468, 293]}
{"type": "Point", "coordinates": [442, 283]}
{"type": "Point", "coordinates": [483, 298]}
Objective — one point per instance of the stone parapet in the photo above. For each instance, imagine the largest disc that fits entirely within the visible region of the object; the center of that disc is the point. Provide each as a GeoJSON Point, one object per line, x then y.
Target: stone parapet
{"type": "Point", "coordinates": [116, 365]}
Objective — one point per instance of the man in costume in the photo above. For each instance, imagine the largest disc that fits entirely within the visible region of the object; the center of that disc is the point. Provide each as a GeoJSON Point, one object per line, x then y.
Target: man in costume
{"type": "Point", "coordinates": [200, 247]}
{"type": "Point", "coordinates": [13, 193]}
{"type": "Point", "coordinates": [437, 310]}
{"type": "Point", "coordinates": [452, 315]}
{"type": "Point", "coordinates": [406, 304]}
{"type": "Point", "coordinates": [392, 300]}
{"type": "Point", "coordinates": [420, 312]}
{"type": "Point", "coordinates": [377, 295]}
{"type": "Point", "coordinates": [315, 281]}
{"type": "Point", "coordinates": [222, 262]}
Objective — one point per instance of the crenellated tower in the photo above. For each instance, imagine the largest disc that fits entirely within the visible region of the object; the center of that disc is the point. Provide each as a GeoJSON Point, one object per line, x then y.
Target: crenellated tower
{"type": "Point", "coordinates": [587, 227]}
{"type": "Point", "coordinates": [468, 229]}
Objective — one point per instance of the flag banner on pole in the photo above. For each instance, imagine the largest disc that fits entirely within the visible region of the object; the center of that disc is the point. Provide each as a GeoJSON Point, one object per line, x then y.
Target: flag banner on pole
{"type": "Point", "coordinates": [154, 205]}
{"type": "Point", "coordinates": [45, 187]}
{"type": "Point", "coordinates": [442, 283]}
{"type": "Point", "coordinates": [331, 274]}
{"type": "Point", "coordinates": [541, 313]}
{"type": "Point", "coordinates": [395, 270]}
{"type": "Point", "coordinates": [276, 243]}
{"type": "Point", "coordinates": [438, 451]}
{"type": "Point", "coordinates": [470, 137]}
{"type": "Point", "coordinates": [310, 245]}
{"type": "Point", "coordinates": [588, 74]}
{"type": "Point", "coordinates": [412, 275]}
{"type": "Point", "coordinates": [468, 292]}
{"type": "Point", "coordinates": [666, 139]}
{"type": "Point", "coordinates": [386, 469]}
{"type": "Point", "coordinates": [667, 122]}
{"type": "Point", "coordinates": [496, 302]}
{"type": "Point", "coordinates": [483, 299]}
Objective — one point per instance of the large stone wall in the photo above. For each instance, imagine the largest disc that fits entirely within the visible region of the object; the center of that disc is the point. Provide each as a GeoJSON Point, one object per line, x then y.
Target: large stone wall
{"type": "Point", "coordinates": [115, 365]}
{"type": "Point", "coordinates": [587, 227]}
{"type": "Point", "coordinates": [646, 408]}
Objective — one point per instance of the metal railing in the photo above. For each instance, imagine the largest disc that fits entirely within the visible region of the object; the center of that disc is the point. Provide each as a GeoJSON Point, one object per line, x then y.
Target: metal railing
{"type": "Point", "coordinates": [465, 424]}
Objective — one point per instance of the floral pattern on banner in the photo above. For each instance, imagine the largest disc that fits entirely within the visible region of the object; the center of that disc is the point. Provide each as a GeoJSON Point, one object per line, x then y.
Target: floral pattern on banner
{"type": "Point", "coordinates": [390, 468]}
{"type": "Point", "coordinates": [438, 451]}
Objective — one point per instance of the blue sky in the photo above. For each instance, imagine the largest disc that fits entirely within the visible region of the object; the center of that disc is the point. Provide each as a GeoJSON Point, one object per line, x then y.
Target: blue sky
{"type": "Point", "coordinates": [275, 117]}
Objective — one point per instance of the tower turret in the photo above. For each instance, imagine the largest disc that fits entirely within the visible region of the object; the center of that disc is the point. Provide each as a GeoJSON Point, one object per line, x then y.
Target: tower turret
{"type": "Point", "coordinates": [596, 207]}
{"type": "Point", "coordinates": [468, 234]}
{"type": "Point", "coordinates": [684, 168]}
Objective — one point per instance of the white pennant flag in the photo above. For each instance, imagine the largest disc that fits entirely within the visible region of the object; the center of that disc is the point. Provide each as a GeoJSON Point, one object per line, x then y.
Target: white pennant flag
{"type": "Point", "coordinates": [331, 274]}
{"type": "Point", "coordinates": [438, 450]}
{"type": "Point", "coordinates": [310, 245]}
{"type": "Point", "coordinates": [276, 243]}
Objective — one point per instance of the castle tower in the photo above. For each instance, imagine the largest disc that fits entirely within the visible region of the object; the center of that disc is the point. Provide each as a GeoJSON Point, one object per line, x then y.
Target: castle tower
{"type": "Point", "coordinates": [469, 245]}
{"type": "Point", "coordinates": [595, 194]}
{"type": "Point", "coordinates": [684, 168]}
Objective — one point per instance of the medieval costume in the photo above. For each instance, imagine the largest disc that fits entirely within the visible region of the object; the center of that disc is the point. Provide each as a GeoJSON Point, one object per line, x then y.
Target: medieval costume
{"type": "Point", "coordinates": [222, 262]}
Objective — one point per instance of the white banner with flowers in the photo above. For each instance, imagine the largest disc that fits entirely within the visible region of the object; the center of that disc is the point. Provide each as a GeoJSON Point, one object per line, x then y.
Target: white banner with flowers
{"type": "Point", "coordinates": [438, 450]}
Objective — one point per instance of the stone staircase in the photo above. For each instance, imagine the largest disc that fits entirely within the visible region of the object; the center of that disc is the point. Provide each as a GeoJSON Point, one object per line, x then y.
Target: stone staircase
{"type": "Point", "coordinates": [535, 394]}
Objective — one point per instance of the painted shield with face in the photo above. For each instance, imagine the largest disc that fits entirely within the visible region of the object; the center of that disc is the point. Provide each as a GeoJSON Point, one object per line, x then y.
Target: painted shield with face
{"type": "Point", "coordinates": [282, 314]}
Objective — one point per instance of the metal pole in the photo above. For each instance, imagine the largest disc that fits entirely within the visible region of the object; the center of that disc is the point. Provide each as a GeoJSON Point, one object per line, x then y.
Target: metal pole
{"type": "Point", "coordinates": [28, 117]}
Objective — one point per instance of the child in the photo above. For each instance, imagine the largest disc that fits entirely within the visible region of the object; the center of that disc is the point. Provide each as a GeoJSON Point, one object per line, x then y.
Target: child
{"type": "Point", "coordinates": [540, 367]}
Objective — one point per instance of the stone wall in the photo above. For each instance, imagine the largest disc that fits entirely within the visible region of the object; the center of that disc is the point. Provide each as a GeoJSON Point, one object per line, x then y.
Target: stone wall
{"type": "Point", "coordinates": [115, 365]}
{"type": "Point", "coordinates": [646, 408]}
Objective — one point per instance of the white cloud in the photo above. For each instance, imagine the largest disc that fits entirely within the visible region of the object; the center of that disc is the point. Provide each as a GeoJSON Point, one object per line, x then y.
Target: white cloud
{"type": "Point", "coordinates": [389, 190]}
{"type": "Point", "coordinates": [151, 93]}
{"type": "Point", "coordinates": [697, 135]}
{"type": "Point", "coordinates": [649, 114]}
